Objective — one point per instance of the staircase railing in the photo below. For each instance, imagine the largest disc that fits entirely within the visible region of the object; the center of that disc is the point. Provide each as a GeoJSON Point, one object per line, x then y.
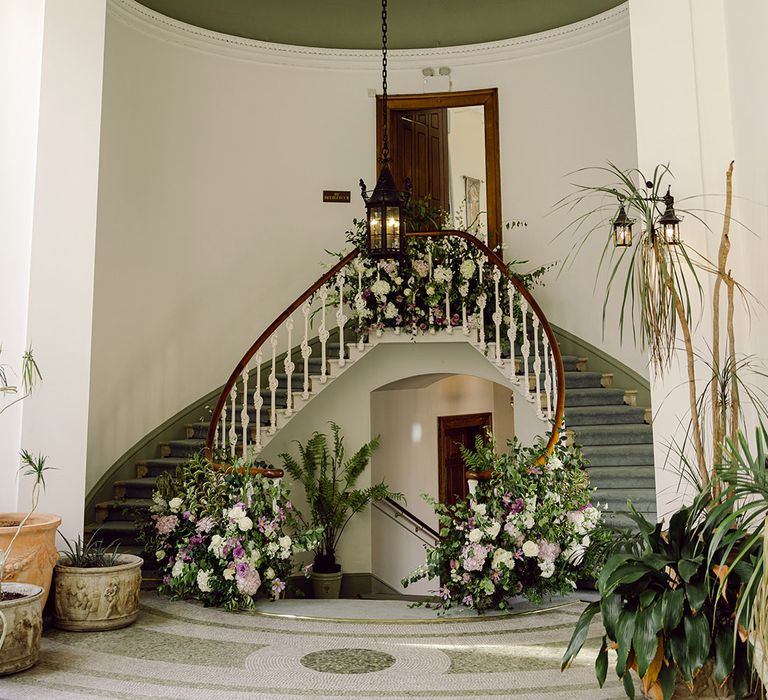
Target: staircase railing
{"type": "Point", "coordinates": [408, 521]}
{"type": "Point", "coordinates": [521, 344]}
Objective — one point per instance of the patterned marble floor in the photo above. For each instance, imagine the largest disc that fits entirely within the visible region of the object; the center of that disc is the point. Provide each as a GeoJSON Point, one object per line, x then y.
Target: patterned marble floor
{"type": "Point", "coordinates": [182, 650]}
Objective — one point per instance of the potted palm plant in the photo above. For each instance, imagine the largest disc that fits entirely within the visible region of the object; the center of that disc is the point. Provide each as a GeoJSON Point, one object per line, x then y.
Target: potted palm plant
{"type": "Point", "coordinates": [96, 587]}
{"type": "Point", "coordinates": [21, 604]}
{"type": "Point", "coordinates": [328, 480]}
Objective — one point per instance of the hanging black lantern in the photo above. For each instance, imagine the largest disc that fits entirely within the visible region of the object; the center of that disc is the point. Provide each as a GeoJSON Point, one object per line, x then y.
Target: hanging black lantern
{"type": "Point", "coordinates": [622, 229]}
{"type": "Point", "coordinates": [668, 225]}
{"type": "Point", "coordinates": [385, 208]}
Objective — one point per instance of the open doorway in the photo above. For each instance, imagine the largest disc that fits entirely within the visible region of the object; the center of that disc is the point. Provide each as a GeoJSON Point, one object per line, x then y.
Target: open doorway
{"type": "Point", "coordinates": [453, 433]}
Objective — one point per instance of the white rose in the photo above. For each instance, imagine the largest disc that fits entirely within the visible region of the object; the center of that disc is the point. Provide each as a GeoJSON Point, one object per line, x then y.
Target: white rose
{"type": "Point", "coordinates": [555, 463]}
{"type": "Point", "coordinates": [236, 513]}
{"type": "Point", "coordinates": [547, 568]}
{"type": "Point", "coordinates": [228, 574]}
{"type": "Point", "coordinates": [530, 549]}
{"type": "Point", "coordinates": [203, 581]}
{"type": "Point", "coordinates": [430, 290]}
{"type": "Point", "coordinates": [285, 542]}
{"type": "Point", "coordinates": [502, 556]}
{"type": "Point", "coordinates": [272, 548]}
{"type": "Point", "coordinates": [493, 530]}
{"type": "Point", "coordinates": [475, 535]}
{"type": "Point", "coordinates": [177, 569]}
{"type": "Point", "coordinates": [269, 573]}
{"type": "Point", "coordinates": [245, 523]}
{"type": "Point", "coordinates": [528, 521]}
{"type": "Point", "coordinates": [160, 554]}
{"type": "Point", "coordinates": [217, 544]}
{"type": "Point", "coordinates": [479, 508]}
{"type": "Point", "coordinates": [174, 504]}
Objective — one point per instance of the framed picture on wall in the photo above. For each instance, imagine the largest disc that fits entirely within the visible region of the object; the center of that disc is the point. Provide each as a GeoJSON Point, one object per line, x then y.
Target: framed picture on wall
{"type": "Point", "coordinates": [471, 200]}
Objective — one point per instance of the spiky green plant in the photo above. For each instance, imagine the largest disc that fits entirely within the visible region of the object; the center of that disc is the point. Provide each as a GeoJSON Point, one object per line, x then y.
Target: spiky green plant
{"type": "Point", "coordinates": [328, 478]}
{"type": "Point", "coordinates": [89, 554]}
{"type": "Point", "coordinates": [30, 376]}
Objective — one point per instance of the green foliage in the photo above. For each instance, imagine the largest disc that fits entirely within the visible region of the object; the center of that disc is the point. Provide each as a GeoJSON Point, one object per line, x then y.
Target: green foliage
{"type": "Point", "coordinates": [89, 554]}
{"type": "Point", "coordinates": [328, 479]}
{"type": "Point", "coordinates": [663, 605]}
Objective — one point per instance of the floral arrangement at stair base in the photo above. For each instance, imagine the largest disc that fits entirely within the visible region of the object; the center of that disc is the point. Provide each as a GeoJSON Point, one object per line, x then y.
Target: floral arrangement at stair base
{"type": "Point", "coordinates": [427, 291]}
{"type": "Point", "coordinates": [530, 530]}
{"type": "Point", "coordinates": [329, 479]}
{"type": "Point", "coordinates": [223, 537]}
{"type": "Point", "coordinates": [95, 587]}
{"type": "Point", "coordinates": [21, 604]}
{"type": "Point", "coordinates": [686, 608]}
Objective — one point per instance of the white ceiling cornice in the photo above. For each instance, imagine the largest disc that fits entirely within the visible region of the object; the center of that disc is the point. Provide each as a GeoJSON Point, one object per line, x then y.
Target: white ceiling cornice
{"type": "Point", "coordinates": [166, 29]}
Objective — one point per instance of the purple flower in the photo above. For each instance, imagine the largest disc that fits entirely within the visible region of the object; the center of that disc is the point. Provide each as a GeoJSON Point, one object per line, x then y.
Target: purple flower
{"type": "Point", "coordinates": [261, 523]}
{"type": "Point", "coordinates": [196, 539]}
{"type": "Point", "coordinates": [238, 552]}
{"type": "Point", "coordinates": [444, 593]}
{"type": "Point", "coordinates": [586, 506]}
{"type": "Point", "coordinates": [517, 506]}
{"type": "Point", "coordinates": [278, 586]}
{"type": "Point", "coordinates": [467, 600]}
{"type": "Point", "coordinates": [534, 470]}
{"type": "Point", "coordinates": [242, 568]}
{"type": "Point", "coordinates": [288, 505]}
{"type": "Point", "coordinates": [205, 524]}
{"type": "Point", "coordinates": [166, 580]}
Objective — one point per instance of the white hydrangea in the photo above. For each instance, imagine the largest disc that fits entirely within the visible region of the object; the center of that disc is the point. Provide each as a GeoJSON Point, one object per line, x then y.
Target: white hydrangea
{"type": "Point", "coordinates": [272, 548]}
{"type": "Point", "coordinates": [159, 501]}
{"type": "Point", "coordinates": [245, 524]}
{"type": "Point", "coordinates": [236, 513]}
{"type": "Point", "coordinates": [554, 463]}
{"type": "Point", "coordinates": [503, 556]}
{"type": "Point", "coordinates": [380, 288]}
{"type": "Point", "coordinates": [360, 303]}
{"type": "Point", "coordinates": [475, 535]}
{"type": "Point", "coordinates": [285, 542]}
{"type": "Point", "coordinates": [464, 289]}
{"type": "Point", "coordinates": [479, 508]}
{"type": "Point", "coordinates": [530, 548]}
{"type": "Point", "coordinates": [467, 268]}
{"type": "Point", "coordinates": [228, 574]}
{"type": "Point", "coordinates": [177, 569]}
{"type": "Point", "coordinates": [528, 521]}
{"type": "Point", "coordinates": [174, 504]}
{"type": "Point", "coordinates": [547, 568]}
{"type": "Point", "coordinates": [493, 530]}
{"type": "Point", "coordinates": [204, 580]}
{"type": "Point", "coordinates": [442, 274]}
{"type": "Point", "coordinates": [390, 311]}
{"type": "Point", "coordinates": [269, 574]}
{"type": "Point", "coordinates": [217, 546]}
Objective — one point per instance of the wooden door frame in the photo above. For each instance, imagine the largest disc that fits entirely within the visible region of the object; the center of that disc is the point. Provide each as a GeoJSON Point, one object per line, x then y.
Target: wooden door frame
{"type": "Point", "coordinates": [466, 420]}
{"type": "Point", "coordinates": [488, 98]}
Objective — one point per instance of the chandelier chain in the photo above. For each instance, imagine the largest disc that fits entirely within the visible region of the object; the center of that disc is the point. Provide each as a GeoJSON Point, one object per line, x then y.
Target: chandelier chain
{"type": "Point", "coordinates": [385, 130]}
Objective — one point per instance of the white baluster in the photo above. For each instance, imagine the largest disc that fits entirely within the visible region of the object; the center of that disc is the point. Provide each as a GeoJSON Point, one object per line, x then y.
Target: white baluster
{"type": "Point", "coordinates": [306, 349]}
{"type": "Point", "coordinates": [224, 427]}
{"type": "Point", "coordinates": [216, 437]}
{"type": "Point", "coordinates": [497, 315]}
{"type": "Point", "coordinates": [448, 327]}
{"type": "Point", "coordinates": [258, 401]}
{"type": "Point", "coordinates": [323, 334]}
{"type": "Point", "coordinates": [359, 296]}
{"type": "Point", "coordinates": [289, 366]}
{"type": "Point", "coordinates": [233, 423]}
{"type": "Point", "coordinates": [481, 301]}
{"type": "Point", "coordinates": [547, 374]}
{"type": "Point", "coordinates": [537, 365]}
{"type": "Point", "coordinates": [511, 331]}
{"type": "Point", "coordinates": [341, 319]}
{"type": "Point", "coordinates": [273, 386]}
{"type": "Point", "coordinates": [244, 420]}
{"type": "Point", "coordinates": [526, 346]}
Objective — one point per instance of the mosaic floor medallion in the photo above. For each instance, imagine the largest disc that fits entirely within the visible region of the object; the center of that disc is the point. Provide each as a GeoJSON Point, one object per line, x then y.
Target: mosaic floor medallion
{"type": "Point", "coordinates": [348, 661]}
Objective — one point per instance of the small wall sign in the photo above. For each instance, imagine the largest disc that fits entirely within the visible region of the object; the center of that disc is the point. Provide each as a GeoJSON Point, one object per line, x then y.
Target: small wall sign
{"type": "Point", "coordinates": [336, 196]}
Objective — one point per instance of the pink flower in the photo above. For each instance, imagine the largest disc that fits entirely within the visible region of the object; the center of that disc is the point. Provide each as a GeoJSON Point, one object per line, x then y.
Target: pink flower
{"type": "Point", "coordinates": [166, 524]}
{"type": "Point", "coordinates": [421, 268]}
{"type": "Point", "coordinates": [278, 587]}
{"type": "Point", "coordinates": [467, 600]}
{"type": "Point", "coordinates": [249, 583]}
{"type": "Point", "coordinates": [548, 551]}
{"type": "Point", "coordinates": [205, 524]}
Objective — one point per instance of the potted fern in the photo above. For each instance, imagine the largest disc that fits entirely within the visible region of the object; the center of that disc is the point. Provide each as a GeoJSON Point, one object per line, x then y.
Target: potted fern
{"type": "Point", "coordinates": [328, 480]}
{"type": "Point", "coordinates": [97, 588]}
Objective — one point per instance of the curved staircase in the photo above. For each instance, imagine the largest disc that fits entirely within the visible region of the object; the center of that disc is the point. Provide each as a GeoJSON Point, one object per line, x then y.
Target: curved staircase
{"type": "Point", "coordinates": [614, 433]}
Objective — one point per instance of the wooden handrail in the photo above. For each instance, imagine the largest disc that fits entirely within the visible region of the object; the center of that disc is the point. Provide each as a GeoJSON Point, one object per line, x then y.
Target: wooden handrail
{"type": "Point", "coordinates": [413, 518]}
{"type": "Point", "coordinates": [492, 257]}
{"type": "Point", "coordinates": [261, 340]}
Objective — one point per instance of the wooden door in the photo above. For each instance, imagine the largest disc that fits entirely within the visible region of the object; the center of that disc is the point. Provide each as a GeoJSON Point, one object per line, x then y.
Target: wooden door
{"type": "Point", "coordinates": [420, 151]}
{"type": "Point", "coordinates": [453, 432]}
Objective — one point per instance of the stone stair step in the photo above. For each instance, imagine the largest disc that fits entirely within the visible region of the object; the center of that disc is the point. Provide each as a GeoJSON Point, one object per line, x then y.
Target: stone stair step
{"type": "Point", "coordinates": [617, 455]}
{"type": "Point", "coordinates": [584, 380]}
{"type": "Point", "coordinates": [625, 477]}
{"type": "Point", "coordinates": [576, 416]}
{"type": "Point", "coordinates": [182, 448]}
{"type": "Point", "coordinates": [571, 363]}
{"type": "Point", "coordinates": [159, 465]}
{"type": "Point", "coordinates": [124, 531]}
{"type": "Point", "coordinates": [622, 521]}
{"type": "Point", "coordinates": [595, 396]}
{"type": "Point", "coordinates": [122, 509]}
{"type": "Point", "coordinates": [643, 500]}
{"type": "Point", "coordinates": [617, 434]}
{"type": "Point", "coordinates": [134, 488]}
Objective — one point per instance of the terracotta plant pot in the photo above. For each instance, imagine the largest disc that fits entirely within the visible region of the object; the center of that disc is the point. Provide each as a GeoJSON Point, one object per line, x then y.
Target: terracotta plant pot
{"type": "Point", "coordinates": [97, 598]}
{"type": "Point", "coordinates": [24, 617]}
{"type": "Point", "coordinates": [326, 586]}
{"type": "Point", "coordinates": [34, 553]}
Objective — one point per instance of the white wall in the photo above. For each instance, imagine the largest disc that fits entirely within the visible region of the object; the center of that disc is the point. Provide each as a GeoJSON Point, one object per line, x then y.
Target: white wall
{"type": "Point", "coordinates": [214, 155]}
{"type": "Point", "coordinates": [54, 254]}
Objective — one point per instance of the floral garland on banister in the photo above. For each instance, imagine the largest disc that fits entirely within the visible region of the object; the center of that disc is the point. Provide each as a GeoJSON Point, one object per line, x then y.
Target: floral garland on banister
{"type": "Point", "coordinates": [438, 286]}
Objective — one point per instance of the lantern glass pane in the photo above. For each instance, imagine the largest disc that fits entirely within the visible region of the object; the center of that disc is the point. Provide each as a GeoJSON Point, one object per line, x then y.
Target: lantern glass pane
{"type": "Point", "coordinates": [374, 220]}
{"type": "Point", "coordinates": [393, 227]}
{"type": "Point", "coordinates": [622, 235]}
{"type": "Point", "coordinates": [671, 233]}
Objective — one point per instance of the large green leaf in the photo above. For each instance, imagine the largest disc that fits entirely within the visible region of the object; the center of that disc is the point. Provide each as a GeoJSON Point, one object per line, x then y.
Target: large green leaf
{"type": "Point", "coordinates": [696, 591]}
{"type": "Point", "coordinates": [579, 635]}
{"type": "Point", "coordinates": [678, 650]}
{"type": "Point", "coordinates": [610, 609]}
{"type": "Point", "coordinates": [666, 679]}
{"type": "Point", "coordinates": [601, 663]}
{"type": "Point", "coordinates": [724, 653]}
{"type": "Point", "coordinates": [677, 530]}
{"type": "Point", "coordinates": [644, 639]}
{"type": "Point", "coordinates": [689, 567]}
{"type": "Point", "coordinates": [625, 629]}
{"type": "Point", "coordinates": [611, 564]}
{"type": "Point", "coordinates": [672, 608]}
{"type": "Point", "coordinates": [625, 574]}
{"type": "Point", "coordinates": [629, 685]}
{"type": "Point", "coordinates": [698, 640]}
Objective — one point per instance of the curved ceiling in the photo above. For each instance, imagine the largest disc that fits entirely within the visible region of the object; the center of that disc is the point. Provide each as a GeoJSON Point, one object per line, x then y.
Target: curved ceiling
{"type": "Point", "coordinates": [355, 24]}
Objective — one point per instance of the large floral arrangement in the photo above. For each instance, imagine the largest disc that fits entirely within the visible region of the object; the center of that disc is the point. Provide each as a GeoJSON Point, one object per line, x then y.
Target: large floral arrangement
{"type": "Point", "coordinates": [437, 286]}
{"type": "Point", "coordinates": [223, 537]}
{"type": "Point", "coordinates": [530, 530]}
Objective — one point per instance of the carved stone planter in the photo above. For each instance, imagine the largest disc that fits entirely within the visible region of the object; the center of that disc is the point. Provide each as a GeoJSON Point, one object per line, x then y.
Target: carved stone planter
{"type": "Point", "coordinates": [24, 620]}
{"type": "Point", "coordinates": [34, 553]}
{"type": "Point", "coordinates": [99, 598]}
